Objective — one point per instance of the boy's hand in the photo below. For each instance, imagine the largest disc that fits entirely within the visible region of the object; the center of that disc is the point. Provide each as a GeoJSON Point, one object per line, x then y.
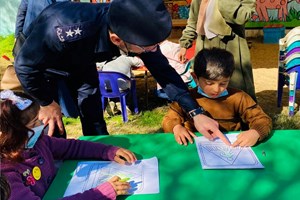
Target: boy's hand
{"type": "Point", "coordinates": [123, 155]}
{"type": "Point", "coordinates": [181, 135]}
{"type": "Point", "coordinates": [246, 138]}
{"type": "Point", "coordinates": [119, 186]}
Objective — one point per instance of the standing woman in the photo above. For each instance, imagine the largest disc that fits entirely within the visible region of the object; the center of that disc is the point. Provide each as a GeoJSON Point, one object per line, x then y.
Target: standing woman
{"type": "Point", "coordinates": [221, 23]}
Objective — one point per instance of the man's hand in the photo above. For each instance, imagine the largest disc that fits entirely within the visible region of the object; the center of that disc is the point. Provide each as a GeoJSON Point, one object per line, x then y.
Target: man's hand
{"type": "Point", "coordinates": [209, 128]}
{"type": "Point", "coordinates": [52, 116]}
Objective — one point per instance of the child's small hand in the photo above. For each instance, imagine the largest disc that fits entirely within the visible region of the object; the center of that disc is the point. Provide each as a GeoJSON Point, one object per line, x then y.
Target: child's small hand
{"type": "Point", "coordinates": [123, 155]}
{"type": "Point", "coordinates": [246, 138]}
{"type": "Point", "coordinates": [119, 186]}
{"type": "Point", "coordinates": [181, 55]}
{"type": "Point", "coordinates": [182, 135]}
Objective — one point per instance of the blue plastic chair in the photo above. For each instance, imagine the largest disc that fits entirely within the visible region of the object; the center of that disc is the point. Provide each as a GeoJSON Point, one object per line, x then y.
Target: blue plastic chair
{"type": "Point", "coordinates": [290, 77]}
{"type": "Point", "coordinates": [109, 88]}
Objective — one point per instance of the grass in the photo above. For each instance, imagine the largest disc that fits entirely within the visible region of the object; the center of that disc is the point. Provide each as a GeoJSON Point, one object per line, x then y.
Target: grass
{"type": "Point", "coordinates": [150, 117]}
{"type": "Point", "coordinates": [142, 123]}
{"type": "Point", "coordinates": [282, 121]}
{"type": "Point", "coordinates": [6, 44]}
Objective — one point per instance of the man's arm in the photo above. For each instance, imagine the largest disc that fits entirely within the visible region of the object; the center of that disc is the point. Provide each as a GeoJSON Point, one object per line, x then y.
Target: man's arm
{"type": "Point", "coordinates": [30, 69]}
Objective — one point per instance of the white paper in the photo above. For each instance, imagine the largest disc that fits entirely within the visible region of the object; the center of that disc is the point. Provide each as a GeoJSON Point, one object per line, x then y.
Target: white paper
{"type": "Point", "coordinates": [217, 155]}
{"type": "Point", "coordinates": [143, 176]}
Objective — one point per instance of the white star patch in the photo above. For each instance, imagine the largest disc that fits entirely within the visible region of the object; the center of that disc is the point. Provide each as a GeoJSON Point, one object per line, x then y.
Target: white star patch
{"type": "Point", "coordinates": [78, 31]}
{"type": "Point", "coordinates": [69, 33]}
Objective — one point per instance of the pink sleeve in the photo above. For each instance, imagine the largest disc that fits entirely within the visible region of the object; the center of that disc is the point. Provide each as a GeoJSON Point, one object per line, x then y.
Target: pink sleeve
{"type": "Point", "coordinates": [104, 191]}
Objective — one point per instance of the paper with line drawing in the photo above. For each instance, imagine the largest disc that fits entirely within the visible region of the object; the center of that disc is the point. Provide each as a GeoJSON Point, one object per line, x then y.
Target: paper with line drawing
{"type": "Point", "coordinates": [143, 176]}
{"type": "Point", "coordinates": [217, 155]}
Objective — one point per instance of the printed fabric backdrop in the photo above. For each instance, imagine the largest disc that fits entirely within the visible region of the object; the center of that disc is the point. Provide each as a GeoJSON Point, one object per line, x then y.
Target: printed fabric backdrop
{"type": "Point", "coordinates": [286, 12]}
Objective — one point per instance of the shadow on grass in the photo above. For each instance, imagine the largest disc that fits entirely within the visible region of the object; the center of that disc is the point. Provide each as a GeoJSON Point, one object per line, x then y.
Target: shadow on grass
{"type": "Point", "coordinates": [267, 99]}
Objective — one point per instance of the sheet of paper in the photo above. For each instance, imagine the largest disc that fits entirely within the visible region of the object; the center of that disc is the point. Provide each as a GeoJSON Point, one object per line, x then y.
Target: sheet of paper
{"type": "Point", "coordinates": [143, 176]}
{"type": "Point", "coordinates": [217, 155]}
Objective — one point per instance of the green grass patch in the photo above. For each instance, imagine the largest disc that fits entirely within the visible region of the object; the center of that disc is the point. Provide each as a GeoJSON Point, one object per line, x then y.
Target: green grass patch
{"type": "Point", "coordinates": [281, 122]}
{"type": "Point", "coordinates": [151, 118]}
{"type": "Point", "coordinates": [6, 44]}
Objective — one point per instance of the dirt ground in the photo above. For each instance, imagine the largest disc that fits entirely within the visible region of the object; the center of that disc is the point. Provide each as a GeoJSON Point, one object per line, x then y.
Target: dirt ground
{"type": "Point", "coordinates": [264, 59]}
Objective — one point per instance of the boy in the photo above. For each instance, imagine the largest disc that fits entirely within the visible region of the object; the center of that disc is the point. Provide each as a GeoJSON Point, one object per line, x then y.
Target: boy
{"type": "Point", "coordinates": [231, 108]}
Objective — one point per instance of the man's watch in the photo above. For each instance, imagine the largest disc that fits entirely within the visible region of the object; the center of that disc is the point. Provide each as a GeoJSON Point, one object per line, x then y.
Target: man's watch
{"type": "Point", "coordinates": [197, 111]}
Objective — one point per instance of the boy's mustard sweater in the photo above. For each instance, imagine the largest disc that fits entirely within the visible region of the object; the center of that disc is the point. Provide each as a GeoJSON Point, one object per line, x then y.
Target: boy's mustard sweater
{"type": "Point", "coordinates": [232, 112]}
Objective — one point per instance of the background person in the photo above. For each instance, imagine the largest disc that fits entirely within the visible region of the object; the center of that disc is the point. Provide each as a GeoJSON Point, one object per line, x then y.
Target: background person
{"type": "Point", "coordinates": [27, 153]}
{"type": "Point", "coordinates": [122, 64]}
{"type": "Point", "coordinates": [221, 23]}
{"type": "Point", "coordinates": [230, 107]}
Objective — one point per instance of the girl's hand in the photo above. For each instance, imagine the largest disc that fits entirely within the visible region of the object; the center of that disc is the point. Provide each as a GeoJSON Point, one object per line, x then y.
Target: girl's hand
{"type": "Point", "coordinates": [123, 155]}
{"type": "Point", "coordinates": [181, 55]}
{"type": "Point", "coordinates": [120, 187]}
{"type": "Point", "coordinates": [246, 138]}
{"type": "Point", "coordinates": [182, 135]}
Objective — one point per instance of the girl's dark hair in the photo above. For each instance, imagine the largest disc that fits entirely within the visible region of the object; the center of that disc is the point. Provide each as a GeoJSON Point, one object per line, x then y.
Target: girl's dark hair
{"type": "Point", "coordinates": [4, 188]}
{"type": "Point", "coordinates": [214, 64]}
{"type": "Point", "coordinates": [13, 130]}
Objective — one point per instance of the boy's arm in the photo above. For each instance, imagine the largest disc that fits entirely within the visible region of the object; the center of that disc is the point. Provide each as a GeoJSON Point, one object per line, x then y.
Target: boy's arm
{"type": "Point", "coordinates": [174, 116]}
{"type": "Point", "coordinates": [255, 117]}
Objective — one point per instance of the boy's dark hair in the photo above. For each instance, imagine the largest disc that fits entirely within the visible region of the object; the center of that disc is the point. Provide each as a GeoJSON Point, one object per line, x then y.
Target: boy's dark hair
{"type": "Point", "coordinates": [14, 133]}
{"type": "Point", "coordinates": [214, 64]}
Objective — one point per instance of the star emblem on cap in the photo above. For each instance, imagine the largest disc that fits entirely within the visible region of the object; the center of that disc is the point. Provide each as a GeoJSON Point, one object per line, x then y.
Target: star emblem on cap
{"type": "Point", "coordinates": [78, 31]}
{"type": "Point", "coordinates": [69, 33]}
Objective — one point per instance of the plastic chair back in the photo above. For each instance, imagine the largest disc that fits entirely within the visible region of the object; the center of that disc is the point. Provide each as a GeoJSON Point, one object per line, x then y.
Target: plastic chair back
{"type": "Point", "coordinates": [290, 77]}
{"type": "Point", "coordinates": [289, 67]}
{"type": "Point", "coordinates": [109, 88]}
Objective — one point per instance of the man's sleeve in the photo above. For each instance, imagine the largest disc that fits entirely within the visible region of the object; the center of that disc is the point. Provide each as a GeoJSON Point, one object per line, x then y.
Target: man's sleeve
{"type": "Point", "coordinates": [30, 66]}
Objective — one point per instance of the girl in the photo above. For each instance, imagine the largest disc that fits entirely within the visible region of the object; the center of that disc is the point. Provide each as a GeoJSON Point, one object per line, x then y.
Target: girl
{"type": "Point", "coordinates": [27, 154]}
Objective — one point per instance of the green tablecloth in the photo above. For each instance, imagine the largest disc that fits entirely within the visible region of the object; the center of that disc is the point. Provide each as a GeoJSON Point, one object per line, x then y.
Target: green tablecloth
{"type": "Point", "coordinates": [181, 176]}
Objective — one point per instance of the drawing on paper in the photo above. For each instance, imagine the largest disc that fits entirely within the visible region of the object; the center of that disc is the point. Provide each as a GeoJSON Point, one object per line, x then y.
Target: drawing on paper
{"type": "Point", "coordinates": [217, 155]}
{"type": "Point", "coordinates": [99, 173]}
{"type": "Point", "coordinates": [143, 176]}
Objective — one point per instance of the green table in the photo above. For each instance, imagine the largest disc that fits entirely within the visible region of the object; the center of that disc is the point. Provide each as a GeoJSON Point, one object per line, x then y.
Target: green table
{"type": "Point", "coordinates": [181, 176]}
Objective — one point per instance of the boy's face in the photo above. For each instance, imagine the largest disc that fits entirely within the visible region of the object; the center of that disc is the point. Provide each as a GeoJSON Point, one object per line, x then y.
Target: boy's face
{"type": "Point", "coordinates": [213, 88]}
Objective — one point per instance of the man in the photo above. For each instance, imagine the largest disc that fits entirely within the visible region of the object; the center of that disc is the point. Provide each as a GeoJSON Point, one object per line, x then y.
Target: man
{"type": "Point", "coordinates": [72, 37]}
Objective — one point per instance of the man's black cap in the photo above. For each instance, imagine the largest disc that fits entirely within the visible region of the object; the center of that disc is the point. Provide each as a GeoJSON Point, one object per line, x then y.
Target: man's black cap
{"type": "Point", "coordinates": [140, 22]}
